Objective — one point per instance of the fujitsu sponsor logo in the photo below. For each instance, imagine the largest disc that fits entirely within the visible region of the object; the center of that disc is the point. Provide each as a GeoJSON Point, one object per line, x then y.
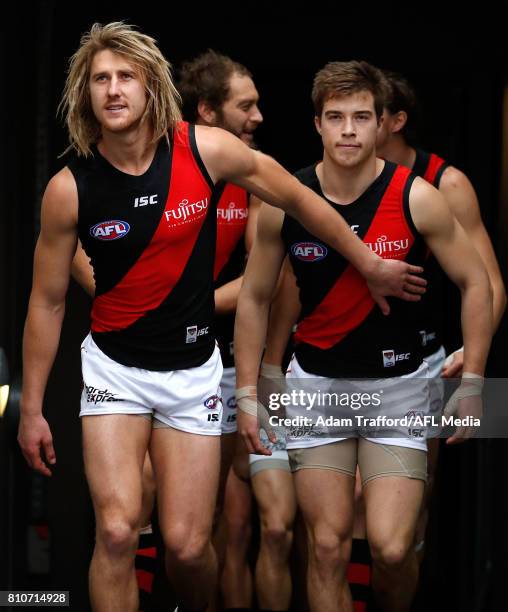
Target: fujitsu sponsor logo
{"type": "Point", "coordinates": [186, 212]}
{"type": "Point", "coordinates": [232, 213]}
{"type": "Point", "coordinates": [393, 247]}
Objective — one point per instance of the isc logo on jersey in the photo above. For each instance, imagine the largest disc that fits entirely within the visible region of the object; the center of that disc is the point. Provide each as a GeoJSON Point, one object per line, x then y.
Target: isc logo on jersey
{"type": "Point", "coordinates": [309, 251]}
{"type": "Point", "coordinates": [110, 230]}
{"type": "Point", "coordinates": [193, 332]}
{"type": "Point", "coordinates": [390, 358]}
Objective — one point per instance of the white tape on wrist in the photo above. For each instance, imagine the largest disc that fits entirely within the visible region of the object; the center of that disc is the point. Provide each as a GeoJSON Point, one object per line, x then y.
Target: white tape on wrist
{"type": "Point", "coordinates": [246, 400]}
{"type": "Point", "coordinates": [269, 370]}
{"type": "Point", "coordinates": [471, 385]}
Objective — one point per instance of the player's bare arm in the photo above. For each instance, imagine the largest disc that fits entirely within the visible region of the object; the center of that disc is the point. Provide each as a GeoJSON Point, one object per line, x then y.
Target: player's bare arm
{"type": "Point", "coordinates": [284, 313]}
{"type": "Point", "coordinates": [461, 262]}
{"type": "Point", "coordinates": [52, 263]}
{"type": "Point", "coordinates": [459, 259]}
{"type": "Point", "coordinates": [228, 158]}
{"type": "Point", "coordinates": [260, 280]}
{"type": "Point", "coordinates": [82, 271]}
{"type": "Point", "coordinates": [461, 197]}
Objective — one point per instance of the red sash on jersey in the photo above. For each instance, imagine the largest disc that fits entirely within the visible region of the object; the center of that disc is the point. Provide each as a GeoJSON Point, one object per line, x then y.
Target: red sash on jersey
{"type": "Point", "coordinates": [349, 302]}
{"type": "Point", "coordinates": [163, 261]}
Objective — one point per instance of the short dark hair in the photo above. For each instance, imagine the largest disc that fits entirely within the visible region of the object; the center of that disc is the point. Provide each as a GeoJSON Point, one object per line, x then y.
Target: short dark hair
{"type": "Point", "coordinates": [339, 79]}
{"type": "Point", "coordinates": [206, 77]}
{"type": "Point", "coordinates": [401, 97]}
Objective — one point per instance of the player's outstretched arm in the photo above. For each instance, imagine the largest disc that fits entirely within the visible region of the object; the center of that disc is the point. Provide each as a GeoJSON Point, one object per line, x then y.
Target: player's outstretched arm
{"type": "Point", "coordinates": [52, 262]}
{"type": "Point", "coordinates": [226, 157]}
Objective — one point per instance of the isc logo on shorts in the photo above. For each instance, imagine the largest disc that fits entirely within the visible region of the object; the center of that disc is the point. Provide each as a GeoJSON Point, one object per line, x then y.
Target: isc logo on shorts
{"type": "Point", "coordinates": [309, 251]}
{"type": "Point", "coordinates": [390, 358]}
{"type": "Point", "coordinates": [110, 230]}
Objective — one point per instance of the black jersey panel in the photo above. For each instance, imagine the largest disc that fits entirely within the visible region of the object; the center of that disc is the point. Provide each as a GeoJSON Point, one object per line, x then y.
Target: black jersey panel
{"type": "Point", "coordinates": [190, 302]}
{"type": "Point", "coordinates": [119, 213]}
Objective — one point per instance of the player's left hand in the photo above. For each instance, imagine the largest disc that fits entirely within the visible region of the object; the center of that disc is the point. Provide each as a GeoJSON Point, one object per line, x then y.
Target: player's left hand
{"type": "Point", "coordinates": [453, 364]}
{"type": "Point", "coordinates": [465, 402]}
{"type": "Point", "coordinates": [392, 277]}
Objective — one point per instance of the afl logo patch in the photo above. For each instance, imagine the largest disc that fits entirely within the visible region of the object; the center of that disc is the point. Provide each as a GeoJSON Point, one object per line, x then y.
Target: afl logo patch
{"type": "Point", "coordinates": [309, 251]}
{"type": "Point", "coordinates": [212, 401]}
{"type": "Point", "coordinates": [110, 230]}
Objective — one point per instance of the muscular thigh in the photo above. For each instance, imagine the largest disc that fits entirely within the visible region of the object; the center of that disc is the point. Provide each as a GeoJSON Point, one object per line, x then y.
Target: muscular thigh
{"type": "Point", "coordinates": [186, 469]}
{"type": "Point", "coordinates": [324, 484]}
{"type": "Point", "coordinates": [275, 495]}
{"type": "Point", "coordinates": [114, 448]}
{"type": "Point", "coordinates": [393, 491]}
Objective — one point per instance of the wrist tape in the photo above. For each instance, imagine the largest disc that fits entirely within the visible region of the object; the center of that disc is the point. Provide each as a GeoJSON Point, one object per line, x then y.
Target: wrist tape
{"type": "Point", "coordinates": [471, 385]}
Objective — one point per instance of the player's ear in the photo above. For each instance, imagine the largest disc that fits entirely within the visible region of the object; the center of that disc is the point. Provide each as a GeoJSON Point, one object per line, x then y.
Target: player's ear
{"type": "Point", "coordinates": [317, 123]}
{"type": "Point", "coordinates": [399, 121]}
{"type": "Point", "coordinates": [206, 113]}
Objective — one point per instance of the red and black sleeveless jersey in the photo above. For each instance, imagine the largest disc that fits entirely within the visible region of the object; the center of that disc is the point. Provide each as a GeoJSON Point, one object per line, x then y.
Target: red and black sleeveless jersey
{"type": "Point", "coordinates": [151, 241]}
{"type": "Point", "coordinates": [342, 332]}
{"type": "Point", "coordinates": [431, 167]}
{"type": "Point", "coordinates": [232, 215]}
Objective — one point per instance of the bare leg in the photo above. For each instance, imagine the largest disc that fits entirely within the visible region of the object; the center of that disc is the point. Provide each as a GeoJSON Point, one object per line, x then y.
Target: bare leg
{"type": "Point", "coordinates": [148, 499]}
{"type": "Point", "coordinates": [392, 507]}
{"type": "Point", "coordinates": [114, 450]}
{"type": "Point", "coordinates": [187, 474]}
{"type": "Point", "coordinates": [326, 499]}
{"type": "Point", "coordinates": [236, 579]}
{"type": "Point", "coordinates": [274, 492]}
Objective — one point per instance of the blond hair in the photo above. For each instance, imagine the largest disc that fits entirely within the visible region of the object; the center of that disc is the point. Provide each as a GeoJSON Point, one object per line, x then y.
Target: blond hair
{"type": "Point", "coordinates": [163, 106]}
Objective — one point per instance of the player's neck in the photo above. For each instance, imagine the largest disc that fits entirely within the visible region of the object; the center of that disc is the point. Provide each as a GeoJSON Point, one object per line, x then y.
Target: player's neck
{"type": "Point", "coordinates": [399, 152]}
{"type": "Point", "coordinates": [132, 151]}
{"type": "Point", "coordinates": [343, 184]}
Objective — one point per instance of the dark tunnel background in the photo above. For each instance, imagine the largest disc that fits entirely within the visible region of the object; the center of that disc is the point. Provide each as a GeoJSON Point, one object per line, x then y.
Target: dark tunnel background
{"type": "Point", "coordinates": [459, 67]}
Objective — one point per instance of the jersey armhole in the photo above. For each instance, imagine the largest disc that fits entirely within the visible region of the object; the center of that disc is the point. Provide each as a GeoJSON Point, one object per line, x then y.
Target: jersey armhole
{"type": "Point", "coordinates": [80, 188]}
{"type": "Point", "coordinates": [439, 174]}
{"type": "Point", "coordinates": [197, 156]}
{"type": "Point", "coordinates": [405, 205]}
